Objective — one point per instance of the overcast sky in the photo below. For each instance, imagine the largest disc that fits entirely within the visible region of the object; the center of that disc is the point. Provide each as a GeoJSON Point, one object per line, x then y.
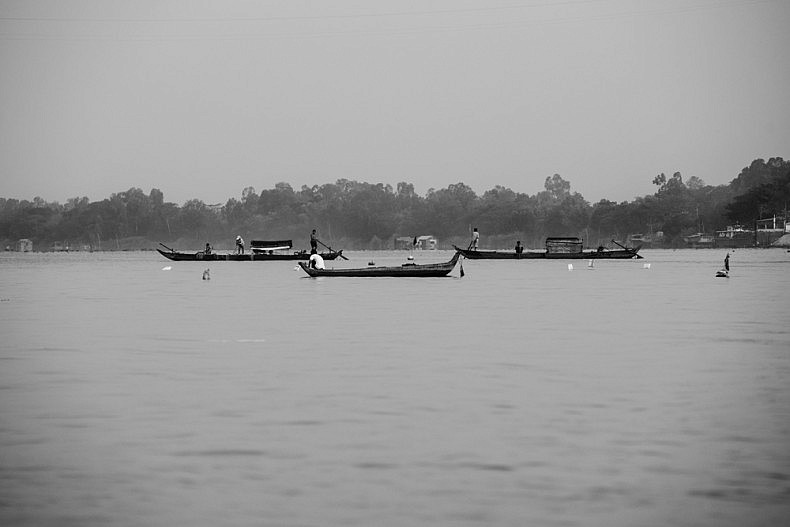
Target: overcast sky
{"type": "Point", "coordinates": [201, 99]}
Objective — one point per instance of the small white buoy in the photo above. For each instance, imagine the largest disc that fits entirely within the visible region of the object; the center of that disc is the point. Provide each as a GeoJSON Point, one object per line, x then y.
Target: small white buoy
{"type": "Point", "coordinates": [590, 265]}
{"type": "Point", "coordinates": [410, 257]}
{"type": "Point", "coordinates": [296, 268]}
{"type": "Point", "coordinates": [570, 267]}
{"type": "Point", "coordinates": [646, 266]}
{"type": "Point", "coordinates": [166, 268]}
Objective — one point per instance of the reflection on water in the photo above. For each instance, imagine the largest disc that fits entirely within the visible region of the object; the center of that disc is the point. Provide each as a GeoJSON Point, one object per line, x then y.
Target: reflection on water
{"type": "Point", "coordinates": [522, 394]}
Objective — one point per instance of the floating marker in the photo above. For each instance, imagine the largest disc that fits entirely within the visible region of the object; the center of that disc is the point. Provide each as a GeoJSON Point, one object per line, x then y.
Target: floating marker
{"type": "Point", "coordinates": [570, 267]}
{"type": "Point", "coordinates": [646, 266]}
{"type": "Point", "coordinates": [410, 257]}
{"type": "Point", "coordinates": [590, 265]}
{"type": "Point", "coordinates": [166, 268]}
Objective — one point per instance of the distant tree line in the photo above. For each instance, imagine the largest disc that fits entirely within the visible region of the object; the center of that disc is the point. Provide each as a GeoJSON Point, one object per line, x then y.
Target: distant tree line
{"type": "Point", "coordinates": [359, 215]}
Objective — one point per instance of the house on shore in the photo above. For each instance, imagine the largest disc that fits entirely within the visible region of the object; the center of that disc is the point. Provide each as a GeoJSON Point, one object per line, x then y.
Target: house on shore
{"type": "Point", "coordinates": [426, 242]}
{"type": "Point", "coordinates": [24, 245]}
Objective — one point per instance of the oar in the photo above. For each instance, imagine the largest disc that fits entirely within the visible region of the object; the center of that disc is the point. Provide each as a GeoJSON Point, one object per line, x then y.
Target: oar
{"type": "Point", "coordinates": [332, 250]}
{"type": "Point", "coordinates": [628, 249]}
{"type": "Point", "coordinates": [166, 247]}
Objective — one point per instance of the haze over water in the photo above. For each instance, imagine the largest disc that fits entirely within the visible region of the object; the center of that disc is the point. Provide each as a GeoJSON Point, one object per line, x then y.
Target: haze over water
{"type": "Point", "coordinates": [520, 394]}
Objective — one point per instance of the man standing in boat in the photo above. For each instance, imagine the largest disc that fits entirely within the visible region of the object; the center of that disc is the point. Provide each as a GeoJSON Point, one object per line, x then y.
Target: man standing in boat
{"type": "Point", "coordinates": [313, 243]}
{"type": "Point", "coordinates": [727, 262]}
{"type": "Point", "coordinates": [475, 239]}
{"type": "Point", "coordinates": [239, 245]}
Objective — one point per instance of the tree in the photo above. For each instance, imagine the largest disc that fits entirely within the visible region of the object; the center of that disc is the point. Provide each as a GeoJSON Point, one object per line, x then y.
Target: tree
{"type": "Point", "coordinates": [557, 187]}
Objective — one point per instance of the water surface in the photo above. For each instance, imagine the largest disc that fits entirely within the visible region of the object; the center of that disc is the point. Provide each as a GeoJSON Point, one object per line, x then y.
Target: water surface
{"type": "Point", "coordinates": [523, 393]}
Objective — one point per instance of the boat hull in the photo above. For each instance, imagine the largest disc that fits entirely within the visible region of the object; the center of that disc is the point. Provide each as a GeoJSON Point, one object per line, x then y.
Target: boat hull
{"type": "Point", "coordinates": [619, 254]}
{"type": "Point", "coordinates": [406, 270]}
{"type": "Point", "coordinates": [250, 257]}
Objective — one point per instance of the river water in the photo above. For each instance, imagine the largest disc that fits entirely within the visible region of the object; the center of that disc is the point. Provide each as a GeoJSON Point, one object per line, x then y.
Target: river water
{"type": "Point", "coordinates": [132, 392]}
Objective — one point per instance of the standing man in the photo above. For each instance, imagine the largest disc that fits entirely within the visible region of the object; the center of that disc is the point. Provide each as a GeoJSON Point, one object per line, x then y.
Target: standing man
{"type": "Point", "coordinates": [475, 239]}
{"type": "Point", "coordinates": [313, 242]}
{"type": "Point", "coordinates": [727, 262]}
{"type": "Point", "coordinates": [239, 245]}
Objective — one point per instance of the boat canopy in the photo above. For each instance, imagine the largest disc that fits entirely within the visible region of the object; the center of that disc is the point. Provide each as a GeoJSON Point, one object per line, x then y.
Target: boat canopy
{"type": "Point", "coordinates": [271, 245]}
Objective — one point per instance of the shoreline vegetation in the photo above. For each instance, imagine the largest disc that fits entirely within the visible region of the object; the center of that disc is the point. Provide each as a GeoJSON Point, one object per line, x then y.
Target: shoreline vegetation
{"type": "Point", "coordinates": [365, 216]}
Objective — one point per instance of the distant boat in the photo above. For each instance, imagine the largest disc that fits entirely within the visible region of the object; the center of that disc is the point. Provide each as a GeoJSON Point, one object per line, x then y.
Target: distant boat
{"type": "Point", "coordinates": [259, 252]}
{"type": "Point", "coordinates": [405, 270]}
{"type": "Point", "coordinates": [556, 248]}
{"type": "Point", "coordinates": [700, 240]}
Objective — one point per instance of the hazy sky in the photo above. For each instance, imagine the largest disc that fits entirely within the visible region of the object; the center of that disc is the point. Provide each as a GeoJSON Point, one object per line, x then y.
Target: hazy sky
{"type": "Point", "coordinates": [204, 98]}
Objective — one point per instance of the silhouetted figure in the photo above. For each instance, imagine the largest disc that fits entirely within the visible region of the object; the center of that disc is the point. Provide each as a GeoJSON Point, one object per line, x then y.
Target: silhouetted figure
{"type": "Point", "coordinates": [475, 239]}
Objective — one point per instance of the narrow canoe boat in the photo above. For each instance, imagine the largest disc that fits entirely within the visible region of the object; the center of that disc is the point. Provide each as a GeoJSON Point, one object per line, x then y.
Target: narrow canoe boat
{"type": "Point", "coordinates": [556, 248]}
{"type": "Point", "coordinates": [405, 270]}
{"type": "Point", "coordinates": [261, 256]}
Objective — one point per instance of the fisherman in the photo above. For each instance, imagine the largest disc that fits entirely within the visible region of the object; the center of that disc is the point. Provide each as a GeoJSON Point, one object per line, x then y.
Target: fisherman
{"type": "Point", "coordinates": [475, 239]}
{"type": "Point", "coordinates": [519, 247]}
{"type": "Point", "coordinates": [316, 262]}
{"type": "Point", "coordinates": [727, 262]}
{"type": "Point", "coordinates": [313, 243]}
{"type": "Point", "coordinates": [239, 245]}
{"type": "Point", "coordinates": [208, 249]}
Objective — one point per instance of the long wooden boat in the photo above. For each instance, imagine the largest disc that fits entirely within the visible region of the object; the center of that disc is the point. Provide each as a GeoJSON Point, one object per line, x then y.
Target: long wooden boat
{"type": "Point", "coordinates": [257, 256]}
{"type": "Point", "coordinates": [557, 249]}
{"type": "Point", "coordinates": [405, 270]}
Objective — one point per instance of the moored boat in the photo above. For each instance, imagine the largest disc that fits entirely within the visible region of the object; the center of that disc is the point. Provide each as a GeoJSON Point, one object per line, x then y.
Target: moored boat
{"type": "Point", "coordinates": [556, 248]}
{"type": "Point", "coordinates": [257, 255]}
{"type": "Point", "coordinates": [405, 270]}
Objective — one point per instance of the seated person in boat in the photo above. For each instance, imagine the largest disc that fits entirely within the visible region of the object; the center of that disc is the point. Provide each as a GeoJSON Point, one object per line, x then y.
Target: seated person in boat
{"type": "Point", "coordinates": [316, 261]}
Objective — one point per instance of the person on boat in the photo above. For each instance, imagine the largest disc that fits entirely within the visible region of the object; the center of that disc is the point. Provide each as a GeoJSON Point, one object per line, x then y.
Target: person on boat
{"type": "Point", "coordinates": [239, 245]}
{"type": "Point", "coordinates": [519, 247]}
{"type": "Point", "coordinates": [727, 262]}
{"type": "Point", "coordinates": [313, 243]}
{"type": "Point", "coordinates": [475, 239]}
{"type": "Point", "coordinates": [316, 262]}
{"type": "Point", "coordinates": [208, 249]}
